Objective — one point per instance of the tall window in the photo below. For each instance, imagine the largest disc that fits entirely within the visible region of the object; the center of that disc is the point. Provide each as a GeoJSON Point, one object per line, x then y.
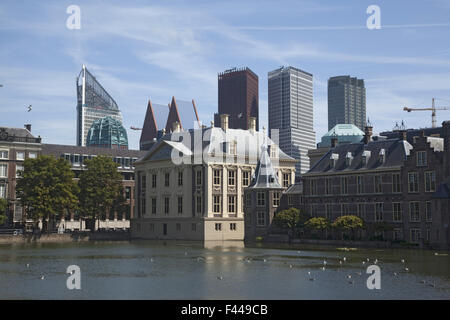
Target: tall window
{"type": "Point", "coordinates": [153, 180]}
{"type": "Point", "coordinates": [396, 183]}
{"type": "Point", "coordinates": [413, 182]}
{"type": "Point", "coordinates": [313, 186]}
{"type": "Point", "coordinates": [378, 185]}
{"type": "Point", "coordinates": [231, 177]}
{"type": "Point", "coordinates": [344, 185]}
{"type": "Point", "coordinates": [166, 205]}
{"type": "Point", "coordinates": [328, 208]}
{"type": "Point", "coordinates": [167, 179]}
{"type": "Point", "coordinates": [328, 185]}
{"type": "Point", "coordinates": [276, 199]}
{"type": "Point", "coordinates": [180, 204]}
{"type": "Point", "coordinates": [397, 212]}
{"type": "Point", "coordinates": [218, 227]}
{"type": "Point", "coordinates": [153, 205]}
{"type": "Point", "coordinates": [217, 204]}
{"type": "Point", "coordinates": [4, 154]}
{"type": "Point", "coordinates": [421, 158]}
{"type": "Point", "coordinates": [198, 204]}
{"type": "Point", "coordinates": [379, 211]}
{"type": "Point", "coordinates": [180, 178]}
{"type": "Point", "coordinates": [261, 198]}
{"type": "Point", "coordinates": [430, 181]}
{"type": "Point", "coordinates": [216, 177]}
{"type": "Point", "coordinates": [233, 226]}
{"type": "Point", "coordinates": [2, 191]}
{"type": "Point", "coordinates": [360, 210]}
{"type": "Point", "coordinates": [18, 168]}
{"type": "Point", "coordinates": [245, 178]}
{"type": "Point", "coordinates": [428, 211]}
{"type": "Point", "coordinates": [198, 177]}
{"type": "Point", "coordinates": [143, 206]}
{"type": "Point", "coordinates": [3, 170]}
{"type": "Point", "coordinates": [20, 155]}
{"type": "Point", "coordinates": [415, 235]}
{"type": "Point", "coordinates": [231, 203]}
{"type": "Point", "coordinates": [414, 213]}
{"type": "Point", "coordinates": [359, 184]}
{"type": "Point", "coordinates": [32, 155]}
{"type": "Point", "coordinates": [261, 218]}
{"type": "Point", "coordinates": [143, 185]}
{"type": "Point", "coordinates": [248, 199]}
{"type": "Point", "coordinates": [286, 179]}
{"type": "Point", "coordinates": [344, 209]}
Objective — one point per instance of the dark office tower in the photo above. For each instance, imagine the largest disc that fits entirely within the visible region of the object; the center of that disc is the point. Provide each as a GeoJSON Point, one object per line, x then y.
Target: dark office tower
{"type": "Point", "coordinates": [346, 101]}
{"type": "Point", "coordinates": [238, 97]}
{"type": "Point", "coordinates": [291, 112]}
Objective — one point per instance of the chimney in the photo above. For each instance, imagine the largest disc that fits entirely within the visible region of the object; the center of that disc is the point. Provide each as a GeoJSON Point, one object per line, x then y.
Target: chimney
{"type": "Point", "coordinates": [176, 127]}
{"type": "Point", "coordinates": [28, 127]}
{"type": "Point", "coordinates": [252, 123]}
{"type": "Point", "coordinates": [224, 122]}
{"type": "Point", "coordinates": [368, 133]}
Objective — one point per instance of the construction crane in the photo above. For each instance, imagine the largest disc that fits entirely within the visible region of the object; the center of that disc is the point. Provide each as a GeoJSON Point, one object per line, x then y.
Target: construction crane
{"type": "Point", "coordinates": [134, 128]}
{"type": "Point", "coordinates": [432, 109]}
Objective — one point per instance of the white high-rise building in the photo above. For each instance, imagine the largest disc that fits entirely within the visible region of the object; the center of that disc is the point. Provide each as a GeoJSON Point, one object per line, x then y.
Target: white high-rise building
{"type": "Point", "coordinates": [291, 112]}
{"type": "Point", "coordinates": [93, 102]}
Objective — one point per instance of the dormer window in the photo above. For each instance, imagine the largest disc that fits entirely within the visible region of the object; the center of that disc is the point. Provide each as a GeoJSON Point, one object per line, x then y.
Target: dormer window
{"type": "Point", "coordinates": [348, 159]}
{"type": "Point", "coordinates": [333, 159]}
{"type": "Point", "coordinates": [382, 156]}
{"type": "Point", "coordinates": [273, 151]}
{"type": "Point", "coordinates": [232, 147]}
{"type": "Point", "coordinates": [365, 157]}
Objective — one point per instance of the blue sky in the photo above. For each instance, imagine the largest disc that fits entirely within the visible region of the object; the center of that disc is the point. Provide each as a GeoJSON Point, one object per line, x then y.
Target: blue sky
{"type": "Point", "coordinates": [142, 50]}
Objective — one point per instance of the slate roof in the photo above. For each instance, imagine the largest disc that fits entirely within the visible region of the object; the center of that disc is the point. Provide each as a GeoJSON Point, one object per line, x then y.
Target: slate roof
{"type": "Point", "coordinates": [252, 141]}
{"type": "Point", "coordinates": [395, 152]}
{"type": "Point", "coordinates": [411, 133]}
{"type": "Point", "coordinates": [296, 188]}
{"type": "Point", "coordinates": [17, 134]}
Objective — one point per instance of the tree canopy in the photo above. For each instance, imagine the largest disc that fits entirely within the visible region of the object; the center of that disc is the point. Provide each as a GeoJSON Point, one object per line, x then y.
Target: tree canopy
{"type": "Point", "coordinates": [317, 223]}
{"type": "Point", "coordinates": [101, 187]}
{"type": "Point", "coordinates": [46, 187]}
{"type": "Point", "coordinates": [348, 223]}
{"type": "Point", "coordinates": [3, 206]}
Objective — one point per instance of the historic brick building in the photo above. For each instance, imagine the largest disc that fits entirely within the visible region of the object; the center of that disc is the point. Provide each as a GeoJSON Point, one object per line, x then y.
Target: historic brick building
{"type": "Point", "coordinates": [16, 145]}
{"type": "Point", "coordinates": [399, 188]}
{"type": "Point", "coordinates": [76, 155]}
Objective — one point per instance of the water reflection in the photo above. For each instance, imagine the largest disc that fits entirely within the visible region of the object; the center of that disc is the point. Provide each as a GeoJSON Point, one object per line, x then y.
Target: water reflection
{"type": "Point", "coordinates": [218, 270]}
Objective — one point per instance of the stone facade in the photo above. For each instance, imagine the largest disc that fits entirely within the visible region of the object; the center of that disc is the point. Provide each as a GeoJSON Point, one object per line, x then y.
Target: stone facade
{"type": "Point", "coordinates": [198, 200]}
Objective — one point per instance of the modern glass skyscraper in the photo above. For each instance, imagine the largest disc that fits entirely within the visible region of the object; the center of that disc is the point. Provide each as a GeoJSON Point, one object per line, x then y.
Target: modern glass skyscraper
{"type": "Point", "coordinates": [93, 102]}
{"type": "Point", "coordinates": [291, 112]}
{"type": "Point", "coordinates": [346, 101]}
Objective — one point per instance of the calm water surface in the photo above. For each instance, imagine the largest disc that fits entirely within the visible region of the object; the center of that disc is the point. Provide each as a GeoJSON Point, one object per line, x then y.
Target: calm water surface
{"type": "Point", "coordinates": [155, 270]}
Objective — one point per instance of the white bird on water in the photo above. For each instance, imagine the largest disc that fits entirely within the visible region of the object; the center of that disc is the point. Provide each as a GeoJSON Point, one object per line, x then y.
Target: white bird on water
{"type": "Point", "coordinates": [42, 277]}
{"type": "Point", "coordinates": [28, 265]}
{"type": "Point", "coordinates": [310, 276]}
{"type": "Point", "coordinates": [376, 261]}
{"type": "Point", "coordinates": [220, 277]}
{"type": "Point", "coordinates": [406, 269]}
{"type": "Point", "coordinates": [290, 266]}
{"type": "Point", "coordinates": [403, 260]}
{"type": "Point", "coordinates": [345, 259]}
{"type": "Point", "coordinates": [324, 262]}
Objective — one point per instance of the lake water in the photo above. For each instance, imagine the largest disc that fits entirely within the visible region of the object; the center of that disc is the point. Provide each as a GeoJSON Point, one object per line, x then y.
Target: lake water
{"type": "Point", "coordinates": [156, 270]}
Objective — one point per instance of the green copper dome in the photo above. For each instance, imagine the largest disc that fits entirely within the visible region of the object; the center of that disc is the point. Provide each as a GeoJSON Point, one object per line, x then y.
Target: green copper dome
{"type": "Point", "coordinates": [345, 133]}
{"type": "Point", "coordinates": [107, 133]}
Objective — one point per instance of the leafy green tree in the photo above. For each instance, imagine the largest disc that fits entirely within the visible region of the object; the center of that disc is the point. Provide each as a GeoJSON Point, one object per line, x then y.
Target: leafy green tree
{"type": "Point", "coordinates": [317, 223]}
{"type": "Point", "coordinates": [100, 187]}
{"type": "Point", "coordinates": [348, 224]}
{"type": "Point", "coordinates": [3, 206]}
{"type": "Point", "coordinates": [46, 187]}
{"type": "Point", "coordinates": [290, 219]}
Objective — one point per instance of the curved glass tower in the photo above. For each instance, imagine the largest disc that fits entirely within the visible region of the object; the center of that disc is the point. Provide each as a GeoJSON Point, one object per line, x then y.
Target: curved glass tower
{"type": "Point", "coordinates": [93, 102]}
{"type": "Point", "coordinates": [107, 133]}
